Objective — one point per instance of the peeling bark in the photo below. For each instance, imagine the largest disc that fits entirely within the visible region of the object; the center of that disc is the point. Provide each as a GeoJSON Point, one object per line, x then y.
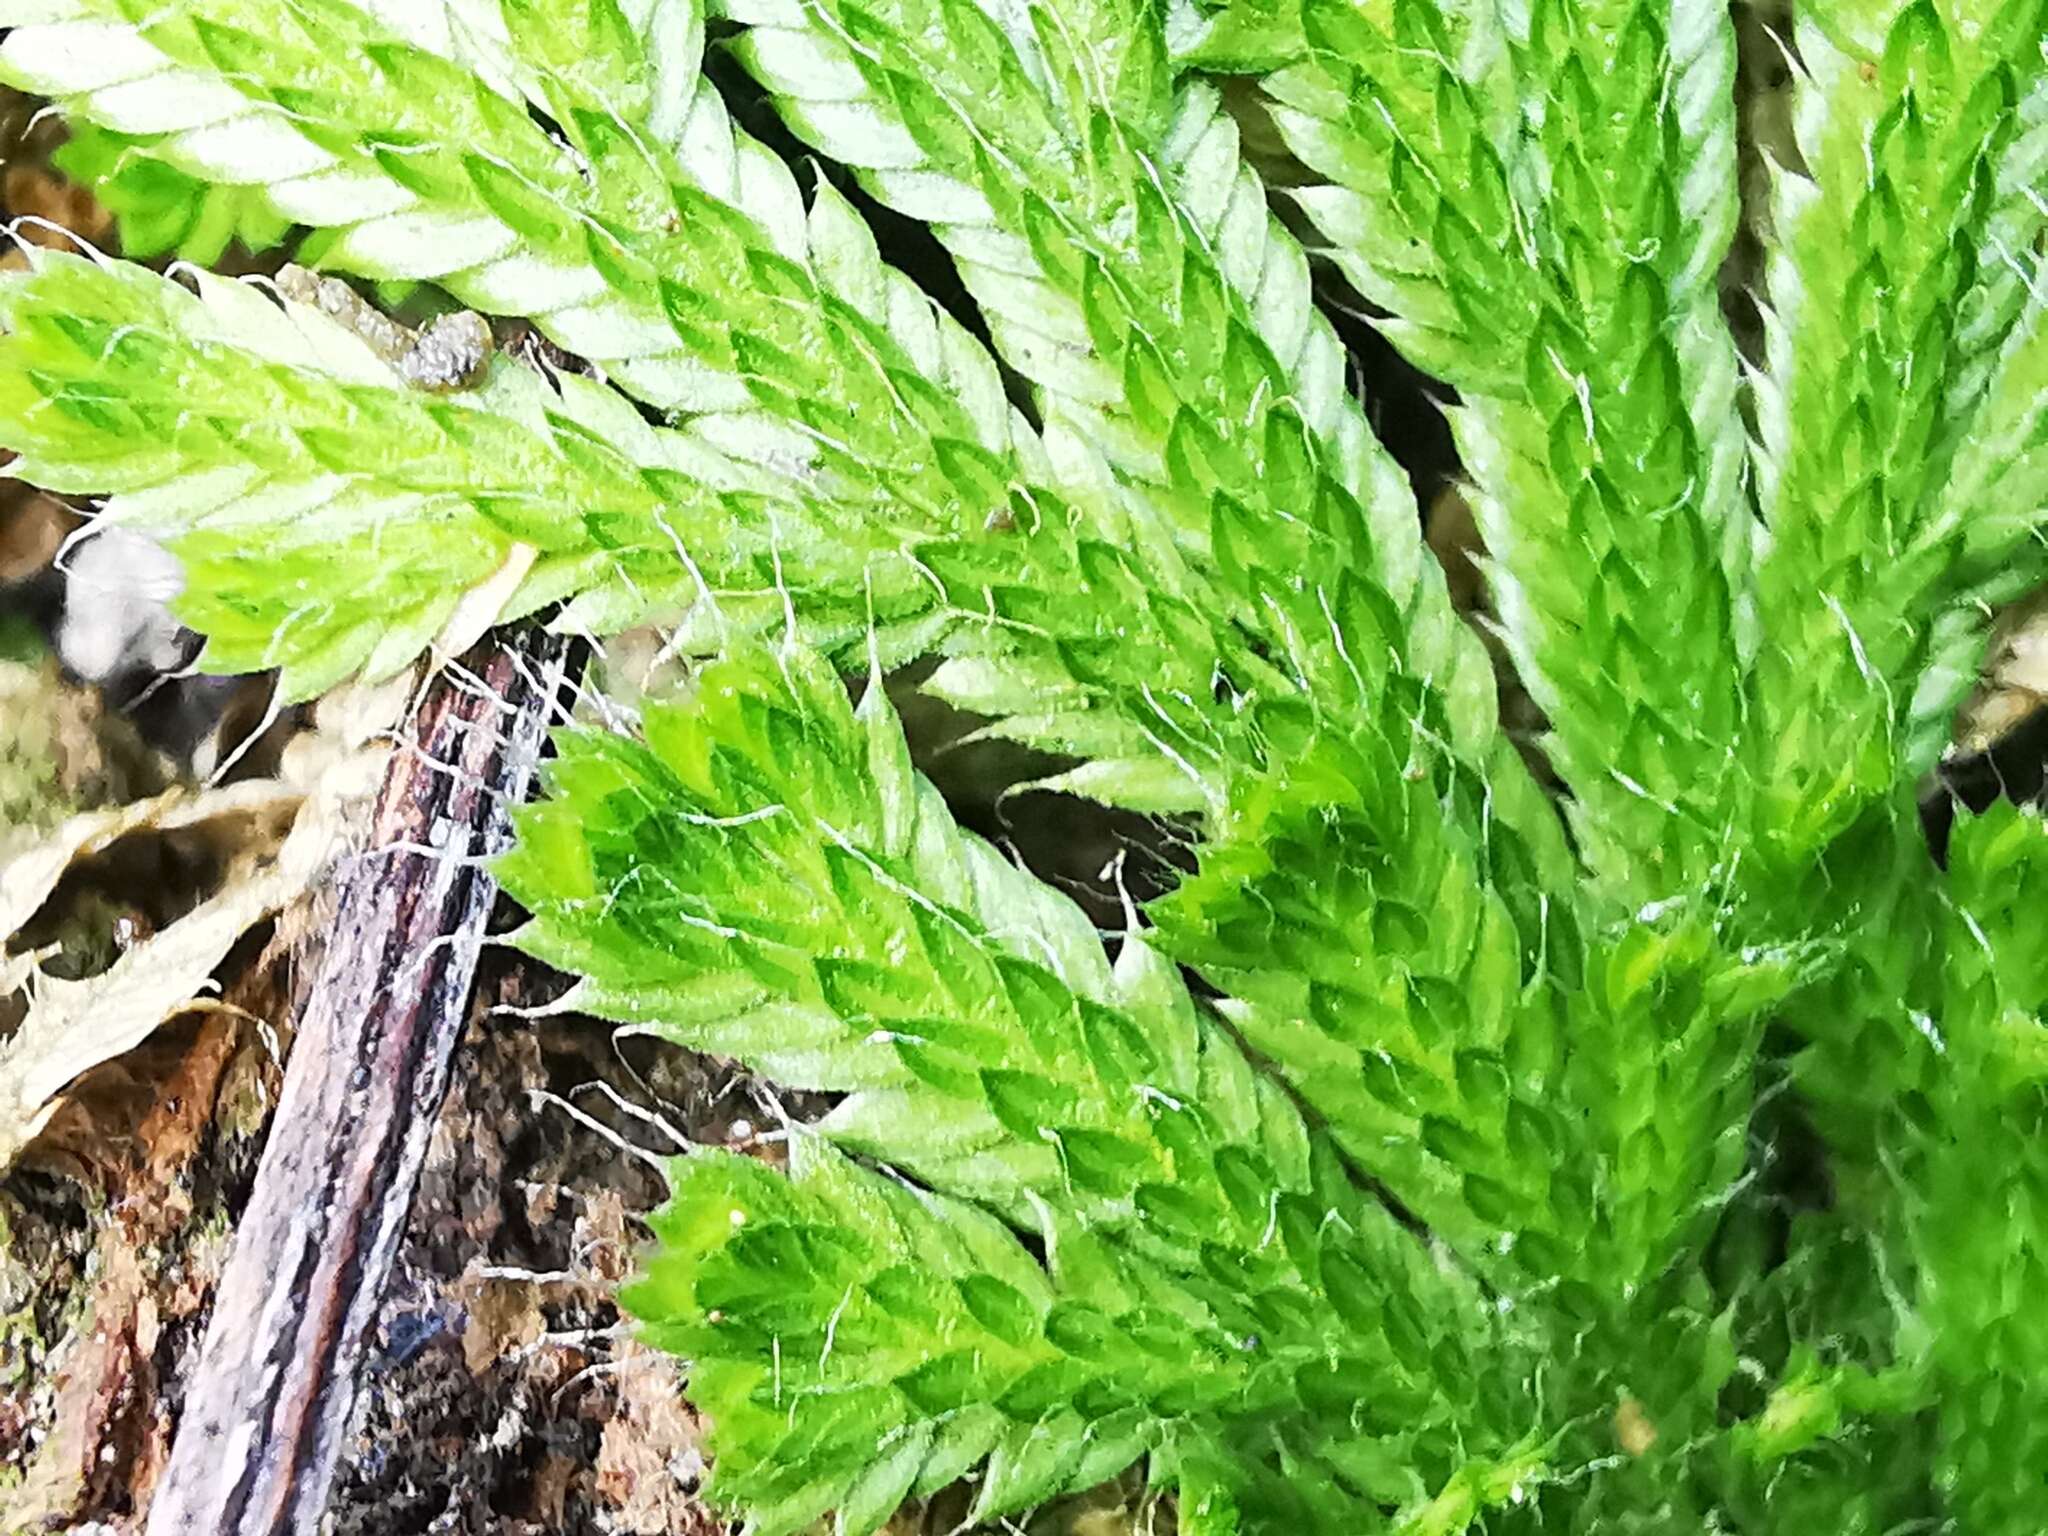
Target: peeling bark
{"type": "Point", "coordinates": [266, 1418]}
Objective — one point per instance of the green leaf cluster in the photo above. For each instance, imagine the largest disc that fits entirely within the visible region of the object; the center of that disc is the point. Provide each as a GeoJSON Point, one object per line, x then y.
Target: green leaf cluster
{"type": "Point", "coordinates": [1654, 1145]}
{"type": "Point", "coordinates": [1214, 1268]}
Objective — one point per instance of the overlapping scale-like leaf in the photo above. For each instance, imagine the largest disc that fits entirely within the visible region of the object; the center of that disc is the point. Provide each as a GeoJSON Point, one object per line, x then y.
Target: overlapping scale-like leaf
{"type": "Point", "coordinates": [879, 407]}
{"type": "Point", "coordinates": [259, 438]}
{"type": "Point", "coordinates": [1363, 953]}
{"type": "Point", "coordinates": [1539, 201]}
{"type": "Point", "coordinates": [1104, 222]}
{"type": "Point", "coordinates": [1991, 521]}
{"type": "Point", "coordinates": [846, 355]}
{"type": "Point", "coordinates": [1902, 497]}
{"type": "Point", "coordinates": [1540, 209]}
{"type": "Point", "coordinates": [1982, 1180]}
{"type": "Point", "coordinates": [331, 519]}
{"type": "Point", "coordinates": [1911, 241]}
{"type": "Point", "coordinates": [1127, 265]}
{"type": "Point", "coordinates": [1129, 268]}
{"type": "Point", "coordinates": [429, 165]}
{"type": "Point", "coordinates": [157, 208]}
{"type": "Point", "coordinates": [766, 878]}
{"type": "Point", "coordinates": [1059, 1216]}
{"type": "Point", "coordinates": [857, 1341]}
{"type": "Point", "coordinates": [1560, 1101]}
{"type": "Point", "coordinates": [350, 143]}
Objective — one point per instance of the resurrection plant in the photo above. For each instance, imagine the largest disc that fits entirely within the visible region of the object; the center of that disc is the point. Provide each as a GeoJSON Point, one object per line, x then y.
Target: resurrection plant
{"type": "Point", "coordinates": [1655, 1144]}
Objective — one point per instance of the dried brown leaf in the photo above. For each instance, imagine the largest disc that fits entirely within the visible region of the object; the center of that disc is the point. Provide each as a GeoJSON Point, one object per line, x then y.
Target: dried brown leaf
{"type": "Point", "coordinates": [504, 1315]}
{"type": "Point", "coordinates": [648, 1461]}
{"type": "Point", "coordinates": [2014, 679]}
{"type": "Point", "coordinates": [72, 1026]}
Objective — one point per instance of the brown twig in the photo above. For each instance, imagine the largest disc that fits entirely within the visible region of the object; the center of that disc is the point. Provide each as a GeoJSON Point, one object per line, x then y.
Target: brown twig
{"type": "Point", "coordinates": [268, 1408]}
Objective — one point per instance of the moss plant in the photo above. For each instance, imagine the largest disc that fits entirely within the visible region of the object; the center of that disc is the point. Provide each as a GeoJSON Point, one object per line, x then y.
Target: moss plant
{"type": "Point", "coordinates": [1443, 1152]}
